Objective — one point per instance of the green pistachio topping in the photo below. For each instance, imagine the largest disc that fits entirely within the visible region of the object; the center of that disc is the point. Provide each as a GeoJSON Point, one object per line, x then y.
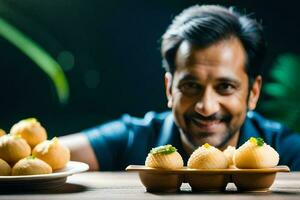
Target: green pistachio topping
{"type": "Point", "coordinates": [18, 136]}
{"type": "Point", "coordinates": [166, 149]}
{"type": "Point", "coordinates": [31, 157]}
{"type": "Point", "coordinates": [260, 141]}
{"type": "Point", "coordinates": [54, 140]}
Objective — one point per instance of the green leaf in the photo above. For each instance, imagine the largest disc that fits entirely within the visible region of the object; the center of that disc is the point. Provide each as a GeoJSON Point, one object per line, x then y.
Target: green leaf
{"type": "Point", "coordinates": [38, 55]}
{"type": "Point", "coordinates": [282, 94]}
{"type": "Point", "coordinates": [275, 89]}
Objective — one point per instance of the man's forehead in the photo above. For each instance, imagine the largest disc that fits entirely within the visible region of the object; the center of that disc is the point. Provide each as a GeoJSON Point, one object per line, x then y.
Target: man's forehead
{"type": "Point", "coordinates": [228, 53]}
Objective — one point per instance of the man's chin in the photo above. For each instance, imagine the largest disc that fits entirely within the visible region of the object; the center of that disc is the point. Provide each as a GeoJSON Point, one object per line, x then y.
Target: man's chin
{"type": "Point", "coordinates": [209, 138]}
{"type": "Point", "coordinates": [210, 130]}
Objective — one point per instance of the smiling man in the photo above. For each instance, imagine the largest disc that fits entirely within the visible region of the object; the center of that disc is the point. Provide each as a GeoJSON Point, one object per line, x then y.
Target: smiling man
{"type": "Point", "coordinates": [212, 56]}
{"type": "Point", "coordinates": [209, 92]}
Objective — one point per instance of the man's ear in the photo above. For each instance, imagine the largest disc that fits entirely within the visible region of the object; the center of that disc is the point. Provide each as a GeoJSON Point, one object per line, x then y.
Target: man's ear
{"type": "Point", "coordinates": [168, 88]}
{"type": "Point", "coordinates": [254, 93]}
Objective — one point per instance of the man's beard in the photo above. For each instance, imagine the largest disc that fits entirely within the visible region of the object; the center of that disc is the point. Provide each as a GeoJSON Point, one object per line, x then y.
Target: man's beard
{"type": "Point", "coordinates": [199, 138]}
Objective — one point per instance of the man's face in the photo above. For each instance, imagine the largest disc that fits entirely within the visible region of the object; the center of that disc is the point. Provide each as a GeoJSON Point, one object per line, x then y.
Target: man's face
{"type": "Point", "coordinates": [209, 93]}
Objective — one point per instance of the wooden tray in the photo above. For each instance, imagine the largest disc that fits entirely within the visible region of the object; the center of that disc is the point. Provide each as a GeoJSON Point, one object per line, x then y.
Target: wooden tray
{"type": "Point", "coordinates": [167, 180]}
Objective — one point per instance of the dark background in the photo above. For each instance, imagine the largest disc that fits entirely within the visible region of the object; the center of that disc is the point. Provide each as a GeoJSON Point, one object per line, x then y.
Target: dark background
{"type": "Point", "coordinates": [115, 46]}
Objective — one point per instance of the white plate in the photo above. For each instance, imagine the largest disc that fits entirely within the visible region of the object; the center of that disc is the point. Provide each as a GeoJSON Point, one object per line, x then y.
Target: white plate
{"type": "Point", "coordinates": [43, 181]}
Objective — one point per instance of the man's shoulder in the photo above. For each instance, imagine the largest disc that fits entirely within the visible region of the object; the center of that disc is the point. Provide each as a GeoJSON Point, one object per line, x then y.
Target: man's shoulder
{"type": "Point", "coordinates": [127, 123]}
{"type": "Point", "coordinates": [150, 118]}
{"type": "Point", "coordinates": [264, 123]}
{"type": "Point", "coordinates": [126, 140]}
{"type": "Point", "coordinates": [257, 125]}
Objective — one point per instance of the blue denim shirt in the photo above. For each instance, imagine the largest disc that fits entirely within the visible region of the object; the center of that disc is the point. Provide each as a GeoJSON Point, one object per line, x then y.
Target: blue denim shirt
{"type": "Point", "coordinates": [128, 140]}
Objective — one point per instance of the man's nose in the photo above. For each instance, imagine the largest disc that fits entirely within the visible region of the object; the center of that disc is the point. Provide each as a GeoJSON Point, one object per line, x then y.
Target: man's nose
{"type": "Point", "coordinates": [207, 104]}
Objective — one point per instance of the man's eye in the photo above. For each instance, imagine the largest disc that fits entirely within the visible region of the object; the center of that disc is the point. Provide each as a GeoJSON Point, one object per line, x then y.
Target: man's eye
{"type": "Point", "coordinates": [225, 88]}
{"type": "Point", "coordinates": [190, 88]}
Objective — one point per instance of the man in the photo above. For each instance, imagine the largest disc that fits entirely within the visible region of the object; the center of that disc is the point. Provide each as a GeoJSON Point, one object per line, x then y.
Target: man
{"type": "Point", "coordinates": [212, 56]}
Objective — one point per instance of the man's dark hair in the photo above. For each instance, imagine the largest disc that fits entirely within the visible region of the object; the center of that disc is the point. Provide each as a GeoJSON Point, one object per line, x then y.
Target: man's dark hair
{"type": "Point", "coordinates": [205, 25]}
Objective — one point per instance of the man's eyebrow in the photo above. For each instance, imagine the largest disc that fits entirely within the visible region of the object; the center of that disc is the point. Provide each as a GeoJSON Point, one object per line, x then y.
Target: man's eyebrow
{"type": "Point", "coordinates": [188, 77]}
{"type": "Point", "coordinates": [229, 79]}
{"type": "Point", "coordinates": [191, 77]}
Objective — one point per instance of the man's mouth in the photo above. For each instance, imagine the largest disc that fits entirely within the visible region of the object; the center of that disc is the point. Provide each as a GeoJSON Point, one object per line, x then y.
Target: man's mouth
{"type": "Point", "coordinates": [207, 124]}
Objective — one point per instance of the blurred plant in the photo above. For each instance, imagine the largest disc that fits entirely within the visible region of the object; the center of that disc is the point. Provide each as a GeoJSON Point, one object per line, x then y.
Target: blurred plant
{"type": "Point", "coordinates": [38, 55]}
{"type": "Point", "coordinates": [282, 101]}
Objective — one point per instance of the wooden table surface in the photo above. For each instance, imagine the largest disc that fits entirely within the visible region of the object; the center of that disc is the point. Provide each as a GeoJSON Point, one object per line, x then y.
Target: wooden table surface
{"type": "Point", "coordinates": [124, 185]}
